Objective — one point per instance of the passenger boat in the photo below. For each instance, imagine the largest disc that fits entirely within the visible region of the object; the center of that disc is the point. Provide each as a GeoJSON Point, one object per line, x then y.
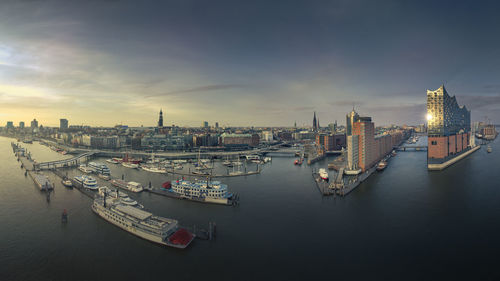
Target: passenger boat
{"type": "Point", "coordinates": [394, 153]}
{"type": "Point", "coordinates": [87, 182]}
{"type": "Point", "coordinates": [252, 157]}
{"type": "Point", "coordinates": [298, 162]}
{"type": "Point", "coordinates": [87, 170]}
{"type": "Point", "coordinates": [489, 149]}
{"type": "Point", "coordinates": [210, 191]}
{"type": "Point", "coordinates": [131, 186]}
{"type": "Point", "coordinates": [130, 165]}
{"type": "Point", "coordinates": [115, 194]}
{"type": "Point", "coordinates": [143, 224]}
{"type": "Point", "coordinates": [323, 174]}
{"type": "Point", "coordinates": [100, 168]}
{"type": "Point", "coordinates": [67, 183]}
{"type": "Point", "coordinates": [381, 165]}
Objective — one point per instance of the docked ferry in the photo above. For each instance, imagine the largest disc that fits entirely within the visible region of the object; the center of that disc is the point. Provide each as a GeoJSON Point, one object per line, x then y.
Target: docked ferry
{"type": "Point", "coordinates": [100, 168]}
{"type": "Point", "coordinates": [210, 191]}
{"type": "Point", "coordinates": [131, 186]}
{"type": "Point", "coordinates": [87, 182]}
{"type": "Point", "coordinates": [86, 169]}
{"type": "Point", "coordinates": [144, 224]}
{"type": "Point", "coordinates": [115, 194]}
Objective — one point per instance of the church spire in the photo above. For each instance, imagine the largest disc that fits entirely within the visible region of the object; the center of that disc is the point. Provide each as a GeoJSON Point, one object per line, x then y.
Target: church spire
{"type": "Point", "coordinates": [315, 124]}
{"type": "Point", "coordinates": [160, 120]}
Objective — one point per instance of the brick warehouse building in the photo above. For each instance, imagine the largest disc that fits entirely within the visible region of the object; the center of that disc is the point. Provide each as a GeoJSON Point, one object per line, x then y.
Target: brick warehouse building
{"type": "Point", "coordinates": [448, 127]}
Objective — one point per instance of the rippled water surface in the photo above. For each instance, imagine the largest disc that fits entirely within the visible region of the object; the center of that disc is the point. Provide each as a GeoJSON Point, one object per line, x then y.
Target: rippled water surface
{"type": "Point", "coordinates": [404, 223]}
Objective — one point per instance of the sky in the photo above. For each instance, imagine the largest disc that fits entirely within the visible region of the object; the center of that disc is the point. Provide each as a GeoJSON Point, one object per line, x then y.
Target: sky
{"type": "Point", "coordinates": [244, 63]}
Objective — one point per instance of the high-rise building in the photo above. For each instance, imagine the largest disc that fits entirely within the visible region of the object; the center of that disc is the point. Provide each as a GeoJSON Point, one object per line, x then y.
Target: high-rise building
{"type": "Point", "coordinates": [352, 152]}
{"type": "Point", "coordinates": [63, 124]}
{"type": "Point", "coordinates": [34, 124]}
{"type": "Point", "coordinates": [21, 124]}
{"type": "Point", "coordinates": [216, 125]}
{"type": "Point", "coordinates": [160, 120]}
{"type": "Point", "coordinates": [350, 119]}
{"type": "Point", "coordinates": [448, 127]}
{"type": "Point", "coordinates": [10, 125]}
{"type": "Point", "coordinates": [365, 130]}
{"type": "Point", "coordinates": [205, 124]}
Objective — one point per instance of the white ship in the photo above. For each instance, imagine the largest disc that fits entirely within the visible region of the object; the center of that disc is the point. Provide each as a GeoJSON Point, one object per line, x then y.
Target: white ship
{"type": "Point", "coordinates": [144, 224]}
{"type": "Point", "coordinates": [87, 182]}
{"type": "Point", "coordinates": [86, 169]}
{"type": "Point", "coordinates": [100, 168]}
{"type": "Point", "coordinates": [113, 161]}
{"type": "Point", "coordinates": [153, 169]}
{"type": "Point", "coordinates": [115, 194]}
{"type": "Point", "coordinates": [323, 174]}
{"type": "Point", "coordinates": [130, 165]}
{"type": "Point", "coordinates": [132, 186]}
{"type": "Point", "coordinates": [210, 191]}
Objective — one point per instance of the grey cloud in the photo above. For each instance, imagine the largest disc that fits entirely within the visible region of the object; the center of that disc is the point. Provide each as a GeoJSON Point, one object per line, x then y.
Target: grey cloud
{"type": "Point", "coordinates": [205, 88]}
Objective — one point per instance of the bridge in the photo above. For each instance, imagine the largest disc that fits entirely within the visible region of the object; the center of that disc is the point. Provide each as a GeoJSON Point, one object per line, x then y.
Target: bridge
{"type": "Point", "coordinates": [412, 147]}
{"type": "Point", "coordinates": [74, 161]}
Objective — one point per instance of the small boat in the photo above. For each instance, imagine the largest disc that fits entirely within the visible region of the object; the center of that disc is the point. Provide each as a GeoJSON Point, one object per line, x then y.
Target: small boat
{"type": "Point", "coordinates": [298, 162]}
{"type": "Point", "coordinates": [86, 169]}
{"type": "Point", "coordinates": [381, 165]}
{"type": "Point", "coordinates": [323, 174]}
{"type": "Point", "coordinates": [104, 177]}
{"type": "Point", "coordinates": [113, 161]}
{"type": "Point", "coordinates": [67, 183]}
{"type": "Point", "coordinates": [489, 149]}
{"type": "Point", "coordinates": [394, 153]}
{"type": "Point", "coordinates": [130, 165]}
{"type": "Point", "coordinates": [352, 172]}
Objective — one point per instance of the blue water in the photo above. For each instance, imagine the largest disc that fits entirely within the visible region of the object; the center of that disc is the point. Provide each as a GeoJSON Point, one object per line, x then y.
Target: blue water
{"type": "Point", "coordinates": [404, 223]}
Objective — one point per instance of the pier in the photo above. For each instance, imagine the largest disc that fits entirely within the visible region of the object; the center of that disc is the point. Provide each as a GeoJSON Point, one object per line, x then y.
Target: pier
{"type": "Point", "coordinates": [322, 185]}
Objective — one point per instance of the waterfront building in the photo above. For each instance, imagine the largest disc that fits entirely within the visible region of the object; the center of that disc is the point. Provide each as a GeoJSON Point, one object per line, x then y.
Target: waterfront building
{"type": "Point", "coordinates": [21, 125]}
{"type": "Point", "coordinates": [240, 139]}
{"type": "Point", "coordinates": [331, 142]}
{"type": "Point", "coordinates": [63, 124]}
{"type": "Point", "coordinates": [10, 125]}
{"type": "Point", "coordinates": [448, 127]}
{"type": "Point", "coordinates": [266, 136]}
{"type": "Point", "coordinates": [350, 119]}
{"type": "Point", "coordinates": [216, 125]}
{"type": "Point", "coordinates": [205, 124]}
{"type": "Point", "coordinates": [365, 130]}
{"type": "Point", "coordinates": [352, 152]}
{"type": "Point", "coordinates": [34, 124]}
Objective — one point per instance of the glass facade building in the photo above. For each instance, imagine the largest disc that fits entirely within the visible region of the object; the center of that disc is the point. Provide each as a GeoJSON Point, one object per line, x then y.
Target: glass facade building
{"type": "Point", "coordinates": [448, 127]}
{"type": "Point", "coordinates": [445, 117]}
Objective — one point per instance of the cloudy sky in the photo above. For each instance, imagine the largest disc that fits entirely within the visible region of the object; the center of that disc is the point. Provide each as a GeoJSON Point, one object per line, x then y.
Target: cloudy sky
{"type": "Point", "coordinates": [244, 62]}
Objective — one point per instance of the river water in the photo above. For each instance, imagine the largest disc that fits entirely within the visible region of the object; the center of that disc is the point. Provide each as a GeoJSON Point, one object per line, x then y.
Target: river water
{"type": "Point", "coordinates": [404, 223]}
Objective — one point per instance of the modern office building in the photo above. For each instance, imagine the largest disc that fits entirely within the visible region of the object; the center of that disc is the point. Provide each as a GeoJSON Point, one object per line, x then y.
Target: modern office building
{"type": "Point", "coordinates": [350, 119]}
{"type": "Point", "coordinates": [352, 152]}
{"type": "Point", "coordinates": [10, 125]}
{"type": "Point", "coordinates": [63, 124]}
{"type": "Point", "coordinates": [34, 124]}
{"type": "Point", "coordinates": [21, 125]}
{"type": "Point", "coordinates": [448, 129]}
{"type": "Point", "coordinates": [365, 130]}
{"type": "Point", "coordinates": [331, 142]}
{"type": "Point", "coordinates": [205, 124]}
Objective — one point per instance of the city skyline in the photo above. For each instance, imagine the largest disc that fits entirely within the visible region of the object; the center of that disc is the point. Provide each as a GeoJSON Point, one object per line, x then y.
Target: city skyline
{"type": "Point", "coordinates": [104, 63]}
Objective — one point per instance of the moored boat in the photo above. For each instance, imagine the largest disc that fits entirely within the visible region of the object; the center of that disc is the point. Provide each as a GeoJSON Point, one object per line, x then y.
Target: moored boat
{"type": "Point", "coordinates": [144, 224]}
{"type": "Point", "coordinates": [67, 183]}
{"type": "Point", "coordinates": [323, 174]}
{"type": "Point", "coordinates": [381, 165]}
